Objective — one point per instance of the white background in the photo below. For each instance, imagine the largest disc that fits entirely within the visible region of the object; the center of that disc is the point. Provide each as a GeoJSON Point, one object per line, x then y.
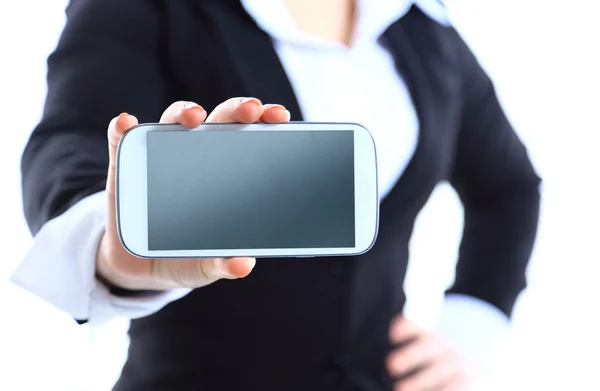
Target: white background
{"type": "Point", "coordinates": [545, 59]}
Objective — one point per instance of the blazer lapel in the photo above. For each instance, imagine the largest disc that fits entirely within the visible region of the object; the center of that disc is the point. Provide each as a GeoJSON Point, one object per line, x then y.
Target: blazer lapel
{"type": "Point", "coordinates": [421, 62]}
{"type": "Point", "coordinates": [410, 68]}
{"type": "Point", "coordinates": [254, 58]}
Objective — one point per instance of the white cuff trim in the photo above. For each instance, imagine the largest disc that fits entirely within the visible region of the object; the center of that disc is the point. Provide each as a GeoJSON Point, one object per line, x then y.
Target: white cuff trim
{"type": "Point", "coordinates": [476, 329]}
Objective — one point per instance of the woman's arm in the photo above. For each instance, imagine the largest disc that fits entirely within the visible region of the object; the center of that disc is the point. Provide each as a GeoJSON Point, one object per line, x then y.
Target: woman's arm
{"type": "Point", "coordinates": [107, 61]}
{"type": "Point", "coordinates": [60, 268]}
{"type": "Point", "coordinates": [499, 189]}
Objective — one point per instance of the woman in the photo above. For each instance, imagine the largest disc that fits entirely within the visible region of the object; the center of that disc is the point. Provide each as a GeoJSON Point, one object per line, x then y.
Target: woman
{"type": "Point", "coordinates": [307, 324]}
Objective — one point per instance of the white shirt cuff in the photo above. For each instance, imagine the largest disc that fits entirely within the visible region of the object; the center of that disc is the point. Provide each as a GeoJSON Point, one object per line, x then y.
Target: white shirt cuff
{"type": "Point", "coordinates": [60, 268]}
{"type": "Point", "coordinates": [477, 329]}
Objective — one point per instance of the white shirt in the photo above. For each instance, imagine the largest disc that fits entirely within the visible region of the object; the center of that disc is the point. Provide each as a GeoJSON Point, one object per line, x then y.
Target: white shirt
{"type": "Point", "coordinates": [332, 83]}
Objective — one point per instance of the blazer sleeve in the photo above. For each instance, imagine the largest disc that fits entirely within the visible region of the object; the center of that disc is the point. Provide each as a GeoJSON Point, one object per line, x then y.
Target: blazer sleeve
{"type": "Point", "coordinates": [499, 189]}
{"type": "Point", "coordinates": [107, 61]}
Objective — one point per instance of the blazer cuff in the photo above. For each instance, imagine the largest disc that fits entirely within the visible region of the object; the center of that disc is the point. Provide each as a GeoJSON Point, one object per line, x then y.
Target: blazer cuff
{"type": "Point", "coordinates": [477, 329]}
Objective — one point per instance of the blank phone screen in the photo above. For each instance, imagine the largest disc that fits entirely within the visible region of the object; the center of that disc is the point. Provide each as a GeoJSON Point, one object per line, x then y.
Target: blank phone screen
{"type": "Point", "coordinates": [211, 190]}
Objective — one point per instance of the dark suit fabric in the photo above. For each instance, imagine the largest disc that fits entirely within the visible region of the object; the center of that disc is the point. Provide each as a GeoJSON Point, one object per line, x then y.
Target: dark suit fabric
{"type": "Point", "coordinates": [293, 324]}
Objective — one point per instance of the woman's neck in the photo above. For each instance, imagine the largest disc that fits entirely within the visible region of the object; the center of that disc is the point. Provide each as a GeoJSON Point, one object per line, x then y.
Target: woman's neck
{"type": "Point", "coordinates": [329, 19]}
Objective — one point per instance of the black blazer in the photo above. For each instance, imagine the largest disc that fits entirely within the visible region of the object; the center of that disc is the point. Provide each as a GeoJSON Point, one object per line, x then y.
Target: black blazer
{"type": "Point", "coordinates": [293, 324]}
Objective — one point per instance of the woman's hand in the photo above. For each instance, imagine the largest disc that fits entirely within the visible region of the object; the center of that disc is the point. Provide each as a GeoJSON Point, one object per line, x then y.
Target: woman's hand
{"type": "Point", "coordinates": [423, 362]}
{"type": "Point", "coordinates": [118, 267]}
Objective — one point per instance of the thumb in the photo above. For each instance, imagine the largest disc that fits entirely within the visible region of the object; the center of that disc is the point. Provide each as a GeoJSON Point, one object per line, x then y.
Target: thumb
{"type": "Point", "coordinates": [196, 273]}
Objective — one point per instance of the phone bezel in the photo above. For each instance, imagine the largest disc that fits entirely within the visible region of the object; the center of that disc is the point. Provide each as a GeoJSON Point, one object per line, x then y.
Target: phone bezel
{"type": "Point", "coordinates": [131, 191]}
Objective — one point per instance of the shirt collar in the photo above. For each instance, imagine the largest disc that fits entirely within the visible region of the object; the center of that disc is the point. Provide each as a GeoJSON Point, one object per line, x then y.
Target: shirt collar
{"type": "Point", "coordinates": [373, 18]}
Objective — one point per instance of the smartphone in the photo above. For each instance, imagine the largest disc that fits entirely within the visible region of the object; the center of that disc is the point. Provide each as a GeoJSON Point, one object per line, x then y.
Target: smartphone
{"type": "Point", "coordinates": [265, 190]}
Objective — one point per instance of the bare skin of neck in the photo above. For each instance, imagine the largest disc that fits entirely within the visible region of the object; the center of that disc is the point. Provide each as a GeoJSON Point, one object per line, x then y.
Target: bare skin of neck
{"type": "Point", "coordinates": [329, 19]}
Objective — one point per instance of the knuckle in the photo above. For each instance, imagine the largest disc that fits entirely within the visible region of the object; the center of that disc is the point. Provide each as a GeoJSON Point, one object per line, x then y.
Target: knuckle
{"type": "Point", "coordinates": [170, 111]}
{"type": "Point", "coordinates": [401, 386]}
{"type": "Point", "coordinates": [401, 367]}
{"type": "Point", "coordinates": [177, 104]}
{"type": "Point", "coordinates": [167, 275]}
{"type": "Point", "coordinates": [156, 270]}
{"type": "Point", "coordinates": [182, 279]}
{"type": "Point", "coordinates": [410, 386]}
{"type": "Point", "coordinates": [204, 269]}
{"type": "Point", "coordinates": [396, 363]}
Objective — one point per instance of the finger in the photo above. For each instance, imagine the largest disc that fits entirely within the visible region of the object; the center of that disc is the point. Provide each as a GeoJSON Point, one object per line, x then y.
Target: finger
{"type": "Point", "coordinates": [244, 110]}
{"type": "Point", "coordinates": [116, 129]}
{"type": "Point", "coordinates": [418, 354]}
{"type": "Point", "coordinates": [196, 273]}
{"type": "Point", "coordinates": [188, 114]}
{"type": "Point", "coordinates": [458, 382]}
{"type": "Point", "coordinates": [403, 329]}
{"type": "Point", "coordinates": [275, 114]}
{"type": "Point", "coordinates": [439, 376]}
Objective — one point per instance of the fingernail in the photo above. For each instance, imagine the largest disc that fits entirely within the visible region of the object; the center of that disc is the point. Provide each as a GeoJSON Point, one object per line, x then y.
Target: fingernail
{"type": "Point", "coordinates": [120, 118]}
{"type": "Point", "coordinates": [254, 100]}
{"type": "Point", "coordinates": [227, 274]}
{"type": "Point", "coordinates": [191, 105]}
{"type": "Point", "coordinates": [274, 106]}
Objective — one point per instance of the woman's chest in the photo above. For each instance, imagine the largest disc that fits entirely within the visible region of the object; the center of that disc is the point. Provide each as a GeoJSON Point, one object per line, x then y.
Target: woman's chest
{"type": "Point", "coordinates": [409, 100]}
{"type": "Point", "coordinates": [359, 85]}
{"type": "Point", "coordinates": [366, 85]}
